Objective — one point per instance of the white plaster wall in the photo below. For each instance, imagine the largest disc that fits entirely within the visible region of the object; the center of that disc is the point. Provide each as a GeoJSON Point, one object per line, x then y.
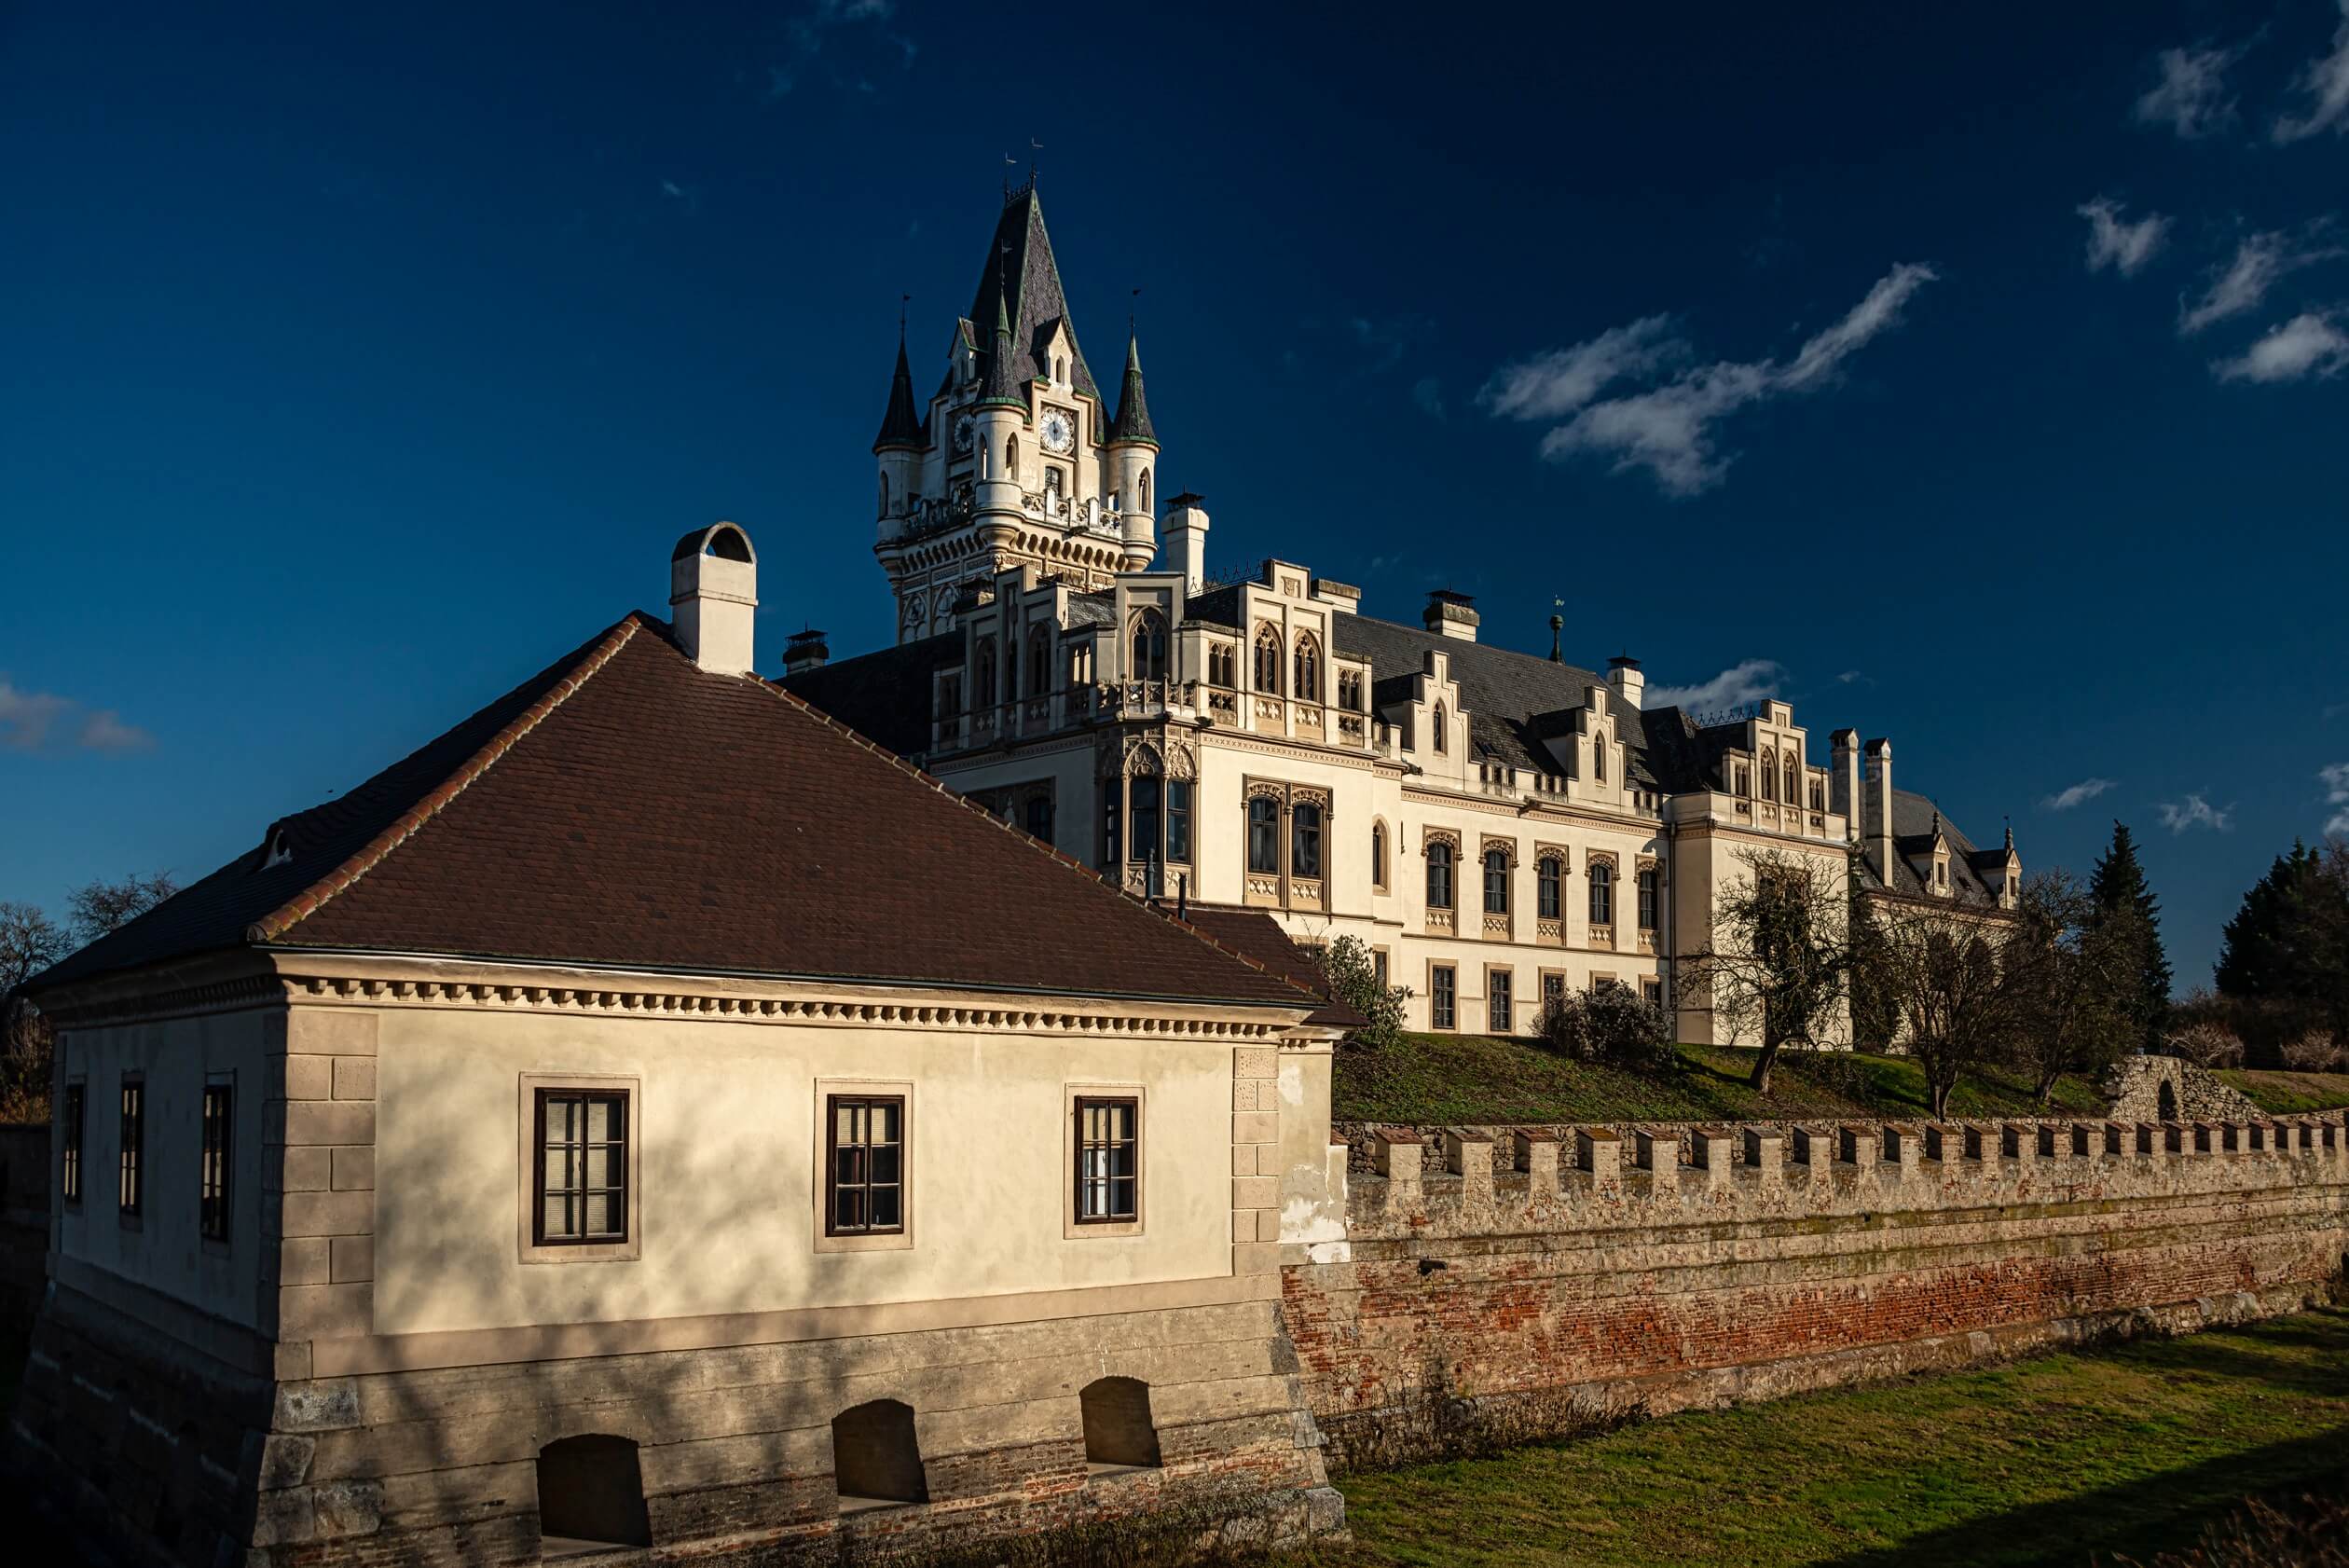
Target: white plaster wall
{"type": "Point", "coordinates": [728, 1156]}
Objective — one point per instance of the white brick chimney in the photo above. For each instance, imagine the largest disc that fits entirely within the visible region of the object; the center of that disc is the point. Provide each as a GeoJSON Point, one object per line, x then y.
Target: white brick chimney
{"type": "Point", "coordinates": [714, 598]}
{"type": "Point", "coordinates": [1183, 540]}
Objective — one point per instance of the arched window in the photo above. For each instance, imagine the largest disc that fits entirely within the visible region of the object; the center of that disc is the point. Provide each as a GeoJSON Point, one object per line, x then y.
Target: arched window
{"type": "Point", "coordinates": [1740, 781]}
{"type": "Point", "coordinates": [1793, 781]}
{"type": "Point", "coordinates": [1599, 759]}
{"type": "Point", "coordinates": [591, 1494]}
{"type": "Point", "coordinates": [1306, 687]}
{"type": "Point", "coordinates": [1305, 840]}
{"type": "Point", "coordinates": [1011, 457]}
{"type": "Point", "coordinates": [1349, 689]}
{"type": "Point", "coordinates": [1149, 647]}
{"type": "Point", "coordinates": [1378, 855]}
{"type": "Point", "coordinates": [1496, 870]}
{"type": "Point", "coordinates": [1769, 773]}
{"type": "Point", "coordinates": [1039, 661]}
{"type": "Point", "coordinates": [1441, 728]}
{"type": "Point", "coordinates": [1146, 491]}
{"type": "Point", "coordinates": [1222, 665]}
{"type": "Point", "coordinates": [982, 682]}
{"type": "Point", "coordinates": [1264, 836]}
{"type": "Point", "coordinates": [875, 1455]}
{"type": "Point", "coordinates": [1439, 877]}
{"type": "Point", "coordinates": [1267, 661]}
{"type": "Point", "coordinates": [1818, 795]}
{"type": "Point", "coordinates": [1601, 893]}
{"type": "Point", "coordinates": [1118, 1425]}
{"type": "Point", "coordinates": [1145, 837]}
{"type": "Point", "coordinates": [1549, 878]}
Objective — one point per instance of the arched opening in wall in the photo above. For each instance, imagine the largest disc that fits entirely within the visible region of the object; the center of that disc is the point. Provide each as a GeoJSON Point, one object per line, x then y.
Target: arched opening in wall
{"type": "Point", "coordinates": [2168, 1103]}
{"type": "Point", "coordinates": [1117, 1430]}
{"type": "Point", "coordinates": [591, 1496]}
{"type": "Point", "coordinates": [875, 1457]}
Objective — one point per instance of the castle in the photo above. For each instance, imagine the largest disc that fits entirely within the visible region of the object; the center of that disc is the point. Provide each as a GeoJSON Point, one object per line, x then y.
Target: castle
{"type": "Point", "coordinates": [1497, 827]}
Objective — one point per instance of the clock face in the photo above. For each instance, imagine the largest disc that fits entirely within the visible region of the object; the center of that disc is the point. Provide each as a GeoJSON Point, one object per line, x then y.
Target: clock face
{"type": "Point", "coordinates": [962, 433]}
{"type": "Point", "coordinates": [1057, 430]}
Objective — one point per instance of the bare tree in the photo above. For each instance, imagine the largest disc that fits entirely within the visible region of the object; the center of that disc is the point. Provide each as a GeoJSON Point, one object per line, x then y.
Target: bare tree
{"type": "Point", "coordinates": [1779, 961]}
{"type": "Point", "coordinates": [1957, 998]}
{"type": "Point", "coordinates": [2073, 981]}
{"type": "Point", "coordinates": [102, 906]}
{"type": "Point", "coordinates": [30, 942]}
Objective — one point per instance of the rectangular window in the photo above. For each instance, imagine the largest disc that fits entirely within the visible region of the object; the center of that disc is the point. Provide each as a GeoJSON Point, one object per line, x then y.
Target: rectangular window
{"type": "Point", "coordinates": [1441, 985]}
{"type": "Point", "coordinates": [1040, 818]}
{"type": "Point", "coordinates": [212, 1179]}
{"type": "Point", "coordinates": [1145, 818]}
{"type": "Point", "coordinates": [1553, 986]}
{"type": "Point", "coordinates": [864, 1165]}
{"type": "Point", "coordinates": [1652, 992]}
{"type": "Point", "coordinates": [131, 1181]}
{"type": "Point", "coordinates": [581, 1182]}
{"type": "Point", "coordinates": [1108, 1161]}
{"type": "Point", "coordinates": [1112, 809]}
{"type": "Point", "coordinates": [1264, 836]}
{"type": "Point", "coordinates": [1500, 1014]}
{"type": "Point", "coordinates": [1545, 888]}
{"type": "Point", "coordinates": [1178, 821]}
{"type": "Point", "coordinates": [1647, 898]}
{"type": "Point", "coordinates": [1305, 835]}
{"type": "Point", "coordinates": [1379, 965]}
{"type": "Point", "coordinates": [70, 1120]}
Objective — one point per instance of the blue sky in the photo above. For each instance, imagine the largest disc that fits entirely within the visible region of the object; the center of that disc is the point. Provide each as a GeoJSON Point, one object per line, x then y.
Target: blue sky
{"type": "Point", "coordinates": [1975, 379]}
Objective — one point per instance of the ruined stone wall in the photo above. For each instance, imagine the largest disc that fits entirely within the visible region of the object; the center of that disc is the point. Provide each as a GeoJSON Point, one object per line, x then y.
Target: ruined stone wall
{"type": "Point", "coordinates": [2166, 1088]}
{"type": "Point", "coordinates": [1716, 1266]}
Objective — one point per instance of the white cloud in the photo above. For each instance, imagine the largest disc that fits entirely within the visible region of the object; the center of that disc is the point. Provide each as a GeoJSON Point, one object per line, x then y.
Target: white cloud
{"type": "Point", "coordinates": [2261, 261]}
{"type": "Point", "coordinates": [1428, 393]}
{"type": "Point", "coordinates": [2325, 86]}
{"type": "Point", "coordinates": [1849, 676]}
{"type": "Point", "coordinates": [804, 36]}
{"type": "Point", "coordinates": [29, 720]}
{"type": "Point", "coordinates": [2075, 794]}
{"type": "Point", "coordinates": [2336, 781]}
{"type": "Point", "coordinates": [1749, 682]}
{"type": "Point", "coordinates": [2192, 96]}
{"type": "Point", "coordinates": [2195, 811]}
{"type": "Point", "coordinates": [1667, 430]}
{"type": "Point", "coordinates": [2310, 344]}
{"type": "Point", "coordinates": [2119, 244]}
{"type": "Point", "coordinates": [1557, 381]}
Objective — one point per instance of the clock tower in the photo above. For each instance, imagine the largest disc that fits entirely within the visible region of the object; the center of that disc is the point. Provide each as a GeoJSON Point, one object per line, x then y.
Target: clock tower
{"type": "Point", "coordinates": [1015, 460]}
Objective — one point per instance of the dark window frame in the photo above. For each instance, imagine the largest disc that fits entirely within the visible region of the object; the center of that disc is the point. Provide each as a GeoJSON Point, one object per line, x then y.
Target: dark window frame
{"type": "Point", "coordinates": [833, 1104]}
{"type": "Point", "coordinates": [1441, 894]}
{"type": "Point", "coordinates": [1496, 882]}
{"type": "Point", "coordinates": [1178, 821]}
{"type": "Point", "coordinates": [1601, 881]}
{"type": "Point", "coordinates": [1306, 823]}
{"type": "Point", "coordinates": [72, 1119]}
{"type": "Point", "coordinates": [214, 1182]}
{"type": "Point", "coordinates": [620, 1195]}
{"type": "Point", "coordinates": [130, 1147]}
{"type": "Point", "coordinates": [1500, 1001]}
{"type": "Point", "coordinates": [1443, 997]}
{"type": "Point", "coordinates": [1266, 819]}
{"type": "Point", "coordinates": [1549, 882]}
{"type": "Point", "coordinates": [1647, 885]}
{"type": "Point", "coordinates": [1131, 1181]}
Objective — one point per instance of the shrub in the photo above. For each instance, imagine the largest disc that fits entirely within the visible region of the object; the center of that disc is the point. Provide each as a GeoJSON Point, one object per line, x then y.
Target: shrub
{"type": "Point", "coordinates": [1840, 1073]}
{"type": "Point", "coordinates": [1609, 1025]}
{"type": "Point", "coordinates": [1353, 977]}
{"type": "Point", "coordinates": [2204, 1043]}
{"type": "Point", "coordinates": [2319, 1051]}
{"type": "Point", "coordinates": [2312, 1533]}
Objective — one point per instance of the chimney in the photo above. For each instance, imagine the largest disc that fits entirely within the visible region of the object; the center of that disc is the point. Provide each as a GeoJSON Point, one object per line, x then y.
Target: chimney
{"type": "Point", "coordinates": [1880, 803]}
{"type": "Point", "coordinates": [1183, 540]}
{"type": "Point", "coordinates": [1450, 615]}
{"type": "Point", "coordinates": [1843, 784]}
{"type": "Point", "coordinates": [804, 651]}
{"type": "Point", "coordinates": [714, 598]}
{"type": "Point", "coordinates": [1623, 673]}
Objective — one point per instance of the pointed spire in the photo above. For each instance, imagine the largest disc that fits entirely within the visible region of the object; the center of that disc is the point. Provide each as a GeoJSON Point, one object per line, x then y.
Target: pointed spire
{"type": "Point", "coordinates": [1132, 426]}
{"type": "Point", "coordinates": [1001, 387]}
{"type": "Point", "coordinates": [900, 426]}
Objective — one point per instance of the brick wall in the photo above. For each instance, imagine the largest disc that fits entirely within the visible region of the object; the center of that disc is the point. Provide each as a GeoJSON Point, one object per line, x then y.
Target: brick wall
{"type": "Point", "coordinates": [1723, 1264]}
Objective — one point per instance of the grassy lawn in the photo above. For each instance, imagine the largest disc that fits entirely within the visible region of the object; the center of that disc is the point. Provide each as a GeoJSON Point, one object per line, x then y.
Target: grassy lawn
{"type": "Point", "coordinates": [1443, 1078]}
{"type": "Point", "coordinates": [2064, 1460]}
{"type": "Point", "coordinates": [2284, 1093]}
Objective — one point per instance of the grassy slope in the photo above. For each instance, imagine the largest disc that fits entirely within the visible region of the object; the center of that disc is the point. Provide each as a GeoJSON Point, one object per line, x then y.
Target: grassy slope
{"type": "Point", "coordinates": [2032, 1466]}
{"type": "Point", "coordinates": [1436, 1079]}
{"type": "Point", "coordinates": [2284, 1093]}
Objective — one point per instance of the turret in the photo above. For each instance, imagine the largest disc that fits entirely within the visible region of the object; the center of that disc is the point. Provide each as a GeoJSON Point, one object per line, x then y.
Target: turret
{"type": "Point", "coordinates": [899, 447]}
{"type": "Point", "coordinates": [1133, 453]}
{"type": "Point", "coordinates": [996, 421]}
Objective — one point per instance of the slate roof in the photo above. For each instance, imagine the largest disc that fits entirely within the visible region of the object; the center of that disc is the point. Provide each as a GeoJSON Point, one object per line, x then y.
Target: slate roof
{"type": "Point", "coordinates": [885, 695]}
{"type": "Point", "coordinates": [1971, 870]}
{"type": "Point", "coordinates": [901, 425]}
{"type": "Point", "coordinates": [624, 808]}
{"type": "Point", "coordinates": [1133, 420]}
{"type": "Point", "coordinates": [1029, 278]}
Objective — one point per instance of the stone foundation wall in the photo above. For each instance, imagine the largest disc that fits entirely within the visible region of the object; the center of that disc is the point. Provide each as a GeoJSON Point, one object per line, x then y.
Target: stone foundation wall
{"type": "Point", "coordinates": [2134, 1090]}
{"type": "Point", "coordinates": [1718, 1266]}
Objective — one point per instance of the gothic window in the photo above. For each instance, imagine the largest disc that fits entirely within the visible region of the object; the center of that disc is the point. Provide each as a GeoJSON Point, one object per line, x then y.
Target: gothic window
{"type": "Point", "coordinates": [1439, 877]}
{"type": "Point", "coordinates": [1647, 898]}
{"type": "Point", "coordinates": [1818, 795]}
{"type": "Point", "coordinates": [1740, 781]}
{"type": "Point", "coordinates": [1442, 743]}
{"type": "Point", "coordinates": [1601, 893]}
{"type": "Point", "coordinates": [1145, 818]}
{"type": "Point", "coordinates": [1051, 481]}
{"type": "Point", "coordinates": [949, 698]}
{"type": "Point", "coordinates": [1496, 881]}
{"type": "Point", "coordinates": [1178, 821]}
{"type": "Point", "coordinates": [1149, 647]}
{"type": "Point", "coordinates": [1039, 661]}
{"type": "Point", "coordinates": [1145, 491]}
{"type": "Point", "coordinates": [1222, 665]}
{"type": "Point", "coordinates": [1350, 691]}
{"type": "Point", "coordinates": [983, 684]}
{"type": "Point", "coordinates": [1769, 774]}
{"type": "Point", "coordinates": [1267, 661]}
{"type": "Point", "coordinates": [1549, 877]}
{"type": "Point", "coordinates": [1793, 781]}
{"type": "Point", "coordinates": [1011, 456]}
{"type": "Point", "coordinates": [1599, 759]}
{"type": "Point", "coordinates": [1264, 836]}
{"type": "Point", "coordinates": [1378, 855]}
{"type": "Point", "coordinates": [1307, 685]}
{"type": "Point", "coordinates": [1305, 840]}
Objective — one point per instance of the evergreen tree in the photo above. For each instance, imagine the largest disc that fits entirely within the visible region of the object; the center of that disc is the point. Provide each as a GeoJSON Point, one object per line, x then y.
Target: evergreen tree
{"type": "Point", "coordinates": [2128, 918]}
{"type": "Point", "coordinates": [2288, 947]}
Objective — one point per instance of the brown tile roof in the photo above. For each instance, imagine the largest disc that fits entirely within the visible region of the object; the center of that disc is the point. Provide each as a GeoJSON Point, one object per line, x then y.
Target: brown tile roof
{"type": "Point", "coordinates": [624, 808]}
{"type": "Point", "coordinates": [1258, 936]}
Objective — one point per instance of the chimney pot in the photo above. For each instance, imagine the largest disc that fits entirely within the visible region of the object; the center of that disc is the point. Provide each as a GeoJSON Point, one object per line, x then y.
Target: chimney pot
{"type": "Point", "coordinates": [1450, 615]}
{"type": "Point", "coordinates": [714, 598]}
{"type": "Point", "coordinates": [804, 651]}
{"type": "Point", "coordinates": [1623, 673]}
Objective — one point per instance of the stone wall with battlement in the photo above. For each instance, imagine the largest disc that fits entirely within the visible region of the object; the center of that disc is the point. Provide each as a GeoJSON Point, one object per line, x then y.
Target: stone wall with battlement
{"type": "Point", "coordinates": [1692, 1267]}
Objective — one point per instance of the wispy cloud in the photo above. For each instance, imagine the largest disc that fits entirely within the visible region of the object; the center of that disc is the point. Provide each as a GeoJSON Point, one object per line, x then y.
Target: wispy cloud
{"type": "Point", "coordinates": [2261, 261]}
{"type": "Point", "coordinates": [2324, 88]}
{"type": "Point", "coordinates": [2195, 811]}
{"type": "Point", "coordinates": [806, 36]}
{"type": "Point", "coordinates": [2075, 794]}
{"type": "Point", "coordinates": [687, 199]}
{"type": "Point", "coordinates": [2116, 242]}
{"type": "Point", "coordinates": [1849, 676]}
{"type": "Point", "coordinates": [1667, 431]}
{"type": "Point", "coordinates": [2191, 97]}
{"type": "Point", "coordinates": [1428, 393]}
{"type": "Point", "coordinates": [2336, 782]}
{"type": "Point", "coordinates": [1749, 682]}
{"type": "Point", "coordinates": [31, 721]}
{"type": "Point", "coordinates": [2311, 344]}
